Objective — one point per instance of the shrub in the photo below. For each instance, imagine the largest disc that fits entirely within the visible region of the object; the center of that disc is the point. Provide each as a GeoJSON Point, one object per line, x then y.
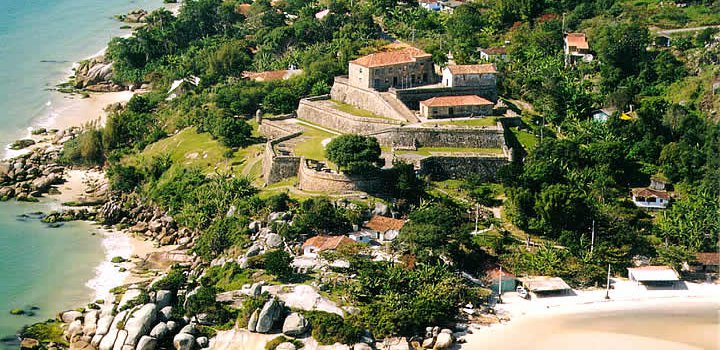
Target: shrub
{"type": "Point", "coordinates": [277, 262]}
{"type": "Point", "coordinates": [328, 328]}
{"type": "Point", "coordinates": [174, 280]}
{"type": "Point", "coordinates": [271, 345]}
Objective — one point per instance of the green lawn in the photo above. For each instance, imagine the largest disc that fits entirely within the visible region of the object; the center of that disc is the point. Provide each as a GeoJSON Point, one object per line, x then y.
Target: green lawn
{"type": "Point", "coordinates": [426, 151]}
{"type": "Point", "coordinates": [344, 107]}
{"type": "Point", "coordinates": [526, 139]}
{"type": "Point", "coordinates": [311, 147]}
{"type": "Point", "coordinates": [485, 121]}
{"type": "Point", "coordinates": [188, 148]}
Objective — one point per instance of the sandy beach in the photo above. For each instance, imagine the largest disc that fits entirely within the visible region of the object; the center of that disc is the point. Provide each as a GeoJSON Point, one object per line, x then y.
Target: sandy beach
{"type": "Point", "coordinates": [634, 318]}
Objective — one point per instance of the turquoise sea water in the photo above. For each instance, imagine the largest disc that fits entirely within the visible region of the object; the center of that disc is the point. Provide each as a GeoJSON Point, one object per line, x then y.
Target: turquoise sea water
{"type": "Point", "coordinates": [43, 267]}
{"type": "Point", "coordinates": [39, 41]}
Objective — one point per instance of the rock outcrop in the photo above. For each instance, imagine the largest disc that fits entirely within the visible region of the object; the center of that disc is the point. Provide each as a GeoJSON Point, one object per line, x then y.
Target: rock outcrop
{"type": "Point", "coordinates": [295, 325]}
{"type": "Point", "coordinates": [269, 315]}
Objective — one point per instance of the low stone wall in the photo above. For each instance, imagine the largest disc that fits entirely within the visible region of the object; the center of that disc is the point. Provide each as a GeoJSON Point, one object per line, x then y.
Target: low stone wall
{"type": "Point", "coordinates": [329, 182]}
{"type": "Point", "coordinates": [412, 97]}
{"type": "Point", "coordinates": [278, 167]}
{"type": "Point", "coordinates": [315, 111]}
{"type": "Point", "coordinates": [452, 167]}
{"type": "Point", "coordinates": [490, 137]}
{"type": "Point", "coordinates": [274, 129]}
{"type": "Point", "coordinates": [366, 99]}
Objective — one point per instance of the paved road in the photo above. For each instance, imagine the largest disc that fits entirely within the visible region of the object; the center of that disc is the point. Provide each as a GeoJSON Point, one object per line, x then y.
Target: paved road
{"type": "Point", "coordinates": [682, 30]}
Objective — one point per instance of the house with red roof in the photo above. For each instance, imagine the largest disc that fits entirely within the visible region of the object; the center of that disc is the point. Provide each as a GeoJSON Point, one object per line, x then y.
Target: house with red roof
{"type": "Point", "coordinates": [576, 48]}
{"type": "Point", "coordinates": [650, 198]}
{"type": "Point", "coordinates": [398, 65]}
{"type": "Point", "coordinates": [384, 228]}
{"type": "Point", "coordinates": [469, 75]}
{"type": "Point", "coordinates": [456, 106]}
{"type": "Point", "coordinates": [314, 245]}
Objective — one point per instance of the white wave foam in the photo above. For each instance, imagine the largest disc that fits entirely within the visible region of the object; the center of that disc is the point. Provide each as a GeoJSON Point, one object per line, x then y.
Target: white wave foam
{"type": "Point", "coordinates": [107, 274]}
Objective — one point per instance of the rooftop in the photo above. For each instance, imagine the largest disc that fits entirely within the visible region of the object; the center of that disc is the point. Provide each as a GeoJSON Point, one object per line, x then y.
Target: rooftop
{"type": "Point", "coordinates": [653, 273]}
{"type": "Point", "coordinates": [649, 192]}
{"type": "Point", "coordinates": [393, 54]}
{"type": "Point", "coordinates": [578, 40]}
{"type": "Point", "coordinates": [708, 258]}
{"type": "Point", "coordinates": [486, 68]}
{"type": "Point", "coordinates": [494, 51]}
{"type": "Point", "coordinates": [544, 283]}
{"type": "Point", "coordinates": [271, 75]}
{"type": "Point", "coordinates": [450, 101]}
{"type": "Point", "coordinates": [327, 242]}
{"type": "Point", "coordinates": [382, 223]}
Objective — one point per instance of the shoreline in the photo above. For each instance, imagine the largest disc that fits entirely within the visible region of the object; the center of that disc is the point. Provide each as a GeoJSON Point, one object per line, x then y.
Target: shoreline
{"type": "Point", "coordinates": [557, 316]}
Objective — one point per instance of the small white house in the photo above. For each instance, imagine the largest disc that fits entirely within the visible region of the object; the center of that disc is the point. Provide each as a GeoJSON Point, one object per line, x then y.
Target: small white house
{"type": "Point", "coordinates": [653, 275]}
{"type": "Point", "coordinates": [361, 237]}
{"type": "Point", "coordinates": [650, 198]}
{"type": "Point", "coordinates": [477, 75]}
{"type": "Point", "coordinates": [384, 228]}
{"type": "Point", "coordinates": [313, 246]}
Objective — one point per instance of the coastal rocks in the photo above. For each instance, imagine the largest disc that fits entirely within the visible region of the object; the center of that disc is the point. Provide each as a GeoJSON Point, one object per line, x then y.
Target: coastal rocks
{"type": "Point", "coordinates": [163, 298]}
{"type": "Point", "coordinates": [130, 295]}
{"type": "Point", "coordinates": [134, 16]}
{"type": "Point", "coordinates": [362, 346]}
{"type": "Point", "coordinates": [96, 75]}
{"type": "Point", "coordinates": [183, 341]}
{"type": "Point", "coordinates": [165, 313]}
{"type": "Point", "coordinates": [70, 316]}
{"type": "Point", "coordinates": [295, 325]}
{"type": "Point", "coordinates": [202, 342]}
{"type": "Point", "coordinates": [146, 343]}
{"type": "Point", "coordinates": [285, 346]}
{"type": "Point", "coordinates": [160, 331]}
{"type": "Point", "coordinates": [273, 240]}
{"type": "Point", "coordinates": [20, 144]}
{"type": "Point", "coordinates": [140, 323]}
{"type": "Point", "coordinates": [29, 344]}
{"type": "Point", "coordinates": [443, 340]}
{"type": "Point", "coordinates": [268, 316]}
{"type": "Point", "coordinates": [252, 322]}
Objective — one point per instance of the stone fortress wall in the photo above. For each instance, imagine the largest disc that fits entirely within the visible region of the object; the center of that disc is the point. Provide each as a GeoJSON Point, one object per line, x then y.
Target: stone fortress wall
{"type": "Point", "coordinates": [314, 180]}
{"type": "Point", "coordinates": [278, 166]}
{"type": "Point", "coordinates": [369, 100]}
{"type": "Point", "coordinates": [318, 110]}
{"type": "Point", "coordinates": [465, 137]}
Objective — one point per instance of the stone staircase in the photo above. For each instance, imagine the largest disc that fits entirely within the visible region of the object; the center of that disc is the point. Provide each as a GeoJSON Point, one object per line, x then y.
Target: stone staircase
{"type": "Point", "coordinates": [399, 107]}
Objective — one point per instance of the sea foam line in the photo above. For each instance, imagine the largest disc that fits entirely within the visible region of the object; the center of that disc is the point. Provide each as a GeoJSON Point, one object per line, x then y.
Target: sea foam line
{"type": "Point", "coordinates": [107, 274]}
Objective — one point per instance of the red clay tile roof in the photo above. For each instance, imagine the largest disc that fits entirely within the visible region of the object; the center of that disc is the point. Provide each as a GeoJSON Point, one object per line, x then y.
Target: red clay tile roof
{"type": "Point", "coordinates": [494, 51]}
{"type": "Point", "coordinates": [327, 242]}
{"type": "Point", "coordinates": [243, 9]}
{"type": "Point", "coordinates": [649, 192]}
{"type": "Point", "coordinates": [396, 54]}
{"type": "Point", "coordinates": [578, 40]}
{"type": "Point", "coordinates": [487, 68]}
{"type": "Point", "coordinates": [383, 224]}
{"type": "Point", "coordinates": [271, 75]}
{"type": "Point", "coordinates": [451, 101]}
{"type": "Point", "coordinates": [495, 273]}
{"type": "Point", "coordinates": [708, 258]}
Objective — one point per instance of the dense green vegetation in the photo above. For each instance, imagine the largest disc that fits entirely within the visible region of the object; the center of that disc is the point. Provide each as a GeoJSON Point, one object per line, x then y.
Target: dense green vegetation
{"type": "Point", "coordinates": [572, 177]}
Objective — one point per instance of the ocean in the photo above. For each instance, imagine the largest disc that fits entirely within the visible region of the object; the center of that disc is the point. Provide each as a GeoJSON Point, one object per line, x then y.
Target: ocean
{"type": "Point", "coordinates": [66, 267]}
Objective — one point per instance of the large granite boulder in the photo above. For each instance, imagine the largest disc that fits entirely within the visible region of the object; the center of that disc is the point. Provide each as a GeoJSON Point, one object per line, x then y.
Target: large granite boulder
{"type": "Point", "coordinates": [285, 346]}
{"type": "Point", "coordinates": [252, 322]}
{"type": "Point", "coordinates": [184, 341]}
{"type": "Point", "coordinates": [295, 325]}
{"type": "Point", "coordinates": [269, 315]}
{"type": "Point", "coordinates": [165, 313]}
{"type": "Point", "coordinates": [159, 331]}
{"type": "Point", "coordinates": [163, 298]}
{"type": "Point", "coordinates": [70, 316]}
{"type": "Point", "coordinates": [273, 240]}
{"type": "Point", "coordinates": [443, 341]}
{"type": "Point", "coordinates": [146, 343]}
{"type": "Point", "coordinates": [140, 323]}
